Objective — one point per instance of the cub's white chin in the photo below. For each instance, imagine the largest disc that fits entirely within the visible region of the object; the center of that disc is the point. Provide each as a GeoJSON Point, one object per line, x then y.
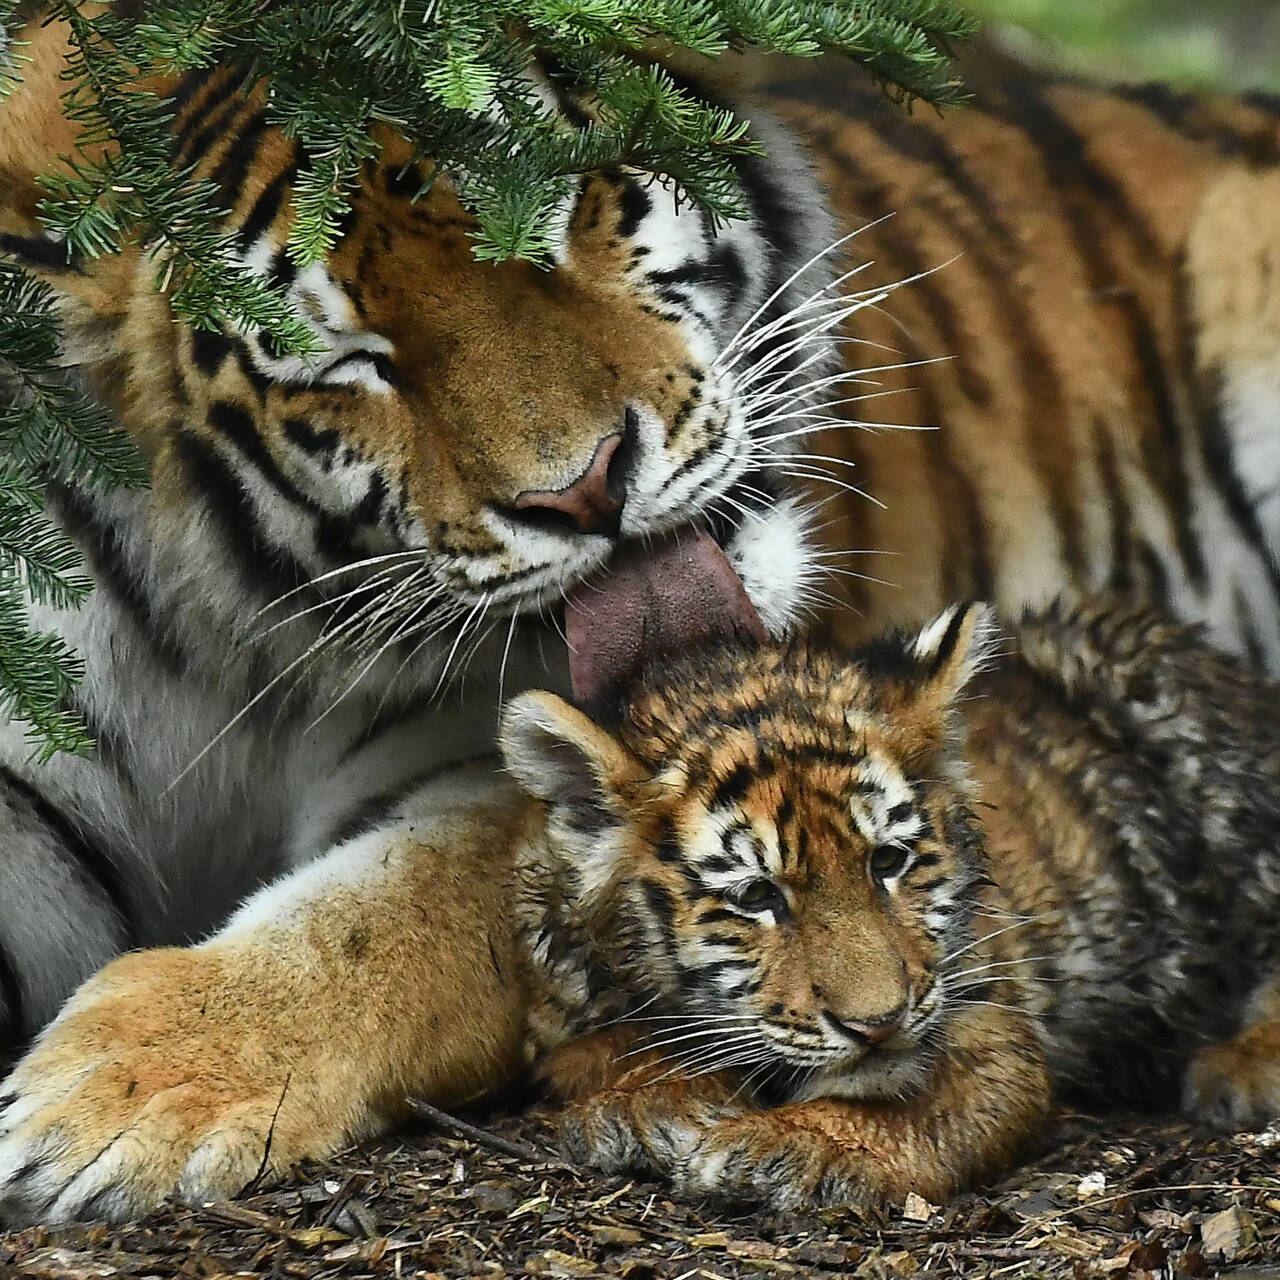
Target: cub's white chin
{"type": "Point", "coordinates": [773, 553]}
{"type": "Point", "coordinates": [880, 1074]}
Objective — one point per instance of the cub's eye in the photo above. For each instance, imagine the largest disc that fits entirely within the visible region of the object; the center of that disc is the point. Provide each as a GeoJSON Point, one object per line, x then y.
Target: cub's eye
{"type": "Point", "coordinates": [889, 860]}
{"type": "Point", "coordinates": [759, 896]}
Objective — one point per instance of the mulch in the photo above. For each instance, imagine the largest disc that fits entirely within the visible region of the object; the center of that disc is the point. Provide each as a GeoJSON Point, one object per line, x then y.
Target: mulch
{"type": "Point", "coordinates": [1127, 1199]}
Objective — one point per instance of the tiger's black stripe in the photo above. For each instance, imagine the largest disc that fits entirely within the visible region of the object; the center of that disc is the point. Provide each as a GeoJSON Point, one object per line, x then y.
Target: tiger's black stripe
{"type": "Point", "coordinates": [908, 262]}
{"type": "Point", "coordinates": [1080, 184]}
{"type": "Point", "coordinates": [961, 493]}
{"type": "Point", "coordinates": [1119, 513]}
{"type": "Point", "coordinates": [96, 867]}
{"type": "Point", "coordinates": [913, 140]}
{"type": "Point", "coordinates": [1024, 104]}
{"type": "Point", "coordinates": [109, 745]}
{"type": "Point", "coordinates": [41, 251]}
{"type": "Point", "coordinates": [231, 171]}
{"type": "Point", "coordinates": [1037, 376]}
{"type": "Point", "coordinates": [107, 554]}
{"type": "Point", "coordinates": [269, 568]}
{"type": "Point", "coordinates": [266, 207]}
{"type": "Point", "coordinates": [12, 1019]}
{"type": "Point", "coordinates": [1188, 116]}
{"type": "Point", "coordinates": [193, 139]}
{"type": "Point", "coordinates": [1215, 443]}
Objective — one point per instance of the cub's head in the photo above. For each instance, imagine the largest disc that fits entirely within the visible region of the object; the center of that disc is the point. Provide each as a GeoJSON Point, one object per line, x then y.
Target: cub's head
{"type": "Point", "coordinates": [782, 844]}
{"type": "Point", "coordinates": [476, 437]}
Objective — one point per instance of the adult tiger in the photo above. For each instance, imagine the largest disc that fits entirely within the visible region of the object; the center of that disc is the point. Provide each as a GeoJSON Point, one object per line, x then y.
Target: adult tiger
{"type": "Point", "coordinates": [496, 432]}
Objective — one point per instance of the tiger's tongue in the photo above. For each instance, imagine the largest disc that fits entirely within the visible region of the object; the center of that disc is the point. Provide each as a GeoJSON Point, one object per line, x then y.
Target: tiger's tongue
{"type": "Point", "coordinates": [663, 598]}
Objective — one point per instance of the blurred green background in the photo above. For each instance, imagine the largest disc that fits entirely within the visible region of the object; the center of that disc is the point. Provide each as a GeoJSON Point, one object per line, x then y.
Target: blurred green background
{"type": "Point", "coordinates": [1227, 44]}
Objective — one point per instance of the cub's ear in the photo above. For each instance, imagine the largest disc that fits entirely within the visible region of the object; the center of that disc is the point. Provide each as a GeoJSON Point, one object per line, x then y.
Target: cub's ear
{"type": "Point", "coordinates": [917, 682]}
{"type": "Point", "coordinates": [560, 755]}
{"type": "Point", "coordinates": [952, 649]}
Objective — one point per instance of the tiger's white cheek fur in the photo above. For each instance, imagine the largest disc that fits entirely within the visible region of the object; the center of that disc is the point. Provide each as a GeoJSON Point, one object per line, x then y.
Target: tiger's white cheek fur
{"type": "Point", "coordinates": [774, 555]}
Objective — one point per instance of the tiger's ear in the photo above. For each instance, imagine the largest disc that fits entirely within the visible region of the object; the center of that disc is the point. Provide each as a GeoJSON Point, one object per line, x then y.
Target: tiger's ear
{"type": "Point", "coordinates": [562, 756]}
{"type": "Point", "coordinates": [952, 649]}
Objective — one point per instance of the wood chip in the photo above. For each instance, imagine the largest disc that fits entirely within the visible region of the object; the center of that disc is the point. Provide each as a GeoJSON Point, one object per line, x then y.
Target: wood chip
{"type": "Point", "coordinates": [902, 1263]}
{"type": "Point", "coordinates": [611, 1237]}
{"type": "Point", "coordinates": [754, 1249]}
{"type": "Point", "coordinates": [556, 1263]}
{"type": "Point", "coordinates": [917, 1208]}
{"type": "Point", "coordinates": [710, 1240]}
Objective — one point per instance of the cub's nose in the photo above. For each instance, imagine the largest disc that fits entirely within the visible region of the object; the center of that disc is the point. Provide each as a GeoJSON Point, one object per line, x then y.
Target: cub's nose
{"type": "Point", "coordinates": [872, 1031]}
{"type": "Point", "coordinates": [593, 503]}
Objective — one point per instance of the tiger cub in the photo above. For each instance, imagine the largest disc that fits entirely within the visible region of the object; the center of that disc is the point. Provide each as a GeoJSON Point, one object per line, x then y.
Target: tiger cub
{"type": "Point", "coordinates": [849, 923]}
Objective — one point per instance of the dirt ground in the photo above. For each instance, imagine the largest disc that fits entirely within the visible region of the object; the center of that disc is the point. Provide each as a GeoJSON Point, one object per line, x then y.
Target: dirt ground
{"type": "Point", "coordinates": [1126, 1199]}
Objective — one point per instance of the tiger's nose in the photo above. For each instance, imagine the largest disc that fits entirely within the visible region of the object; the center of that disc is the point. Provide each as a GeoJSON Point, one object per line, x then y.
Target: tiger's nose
{"type": "Point", "coordinates": [593, 503]}
{"type": "Point", "coordinates": [874, 1030]}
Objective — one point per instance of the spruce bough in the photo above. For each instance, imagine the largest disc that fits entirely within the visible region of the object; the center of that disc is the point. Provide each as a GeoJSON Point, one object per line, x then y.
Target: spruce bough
{"type": "Point", "coordinates": [450, 76]}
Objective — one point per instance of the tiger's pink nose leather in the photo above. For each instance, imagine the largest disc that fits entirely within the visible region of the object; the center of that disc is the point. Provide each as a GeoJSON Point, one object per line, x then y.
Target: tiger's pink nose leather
{"type": "Point", "coordinates": [593, 502]}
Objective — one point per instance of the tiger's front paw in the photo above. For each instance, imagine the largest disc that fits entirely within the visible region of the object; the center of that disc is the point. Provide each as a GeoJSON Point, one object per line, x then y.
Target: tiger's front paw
{"type": "Point", "coordinates": [162, 1077]}
{"type": "Point", "coordinates": [758, 1160]}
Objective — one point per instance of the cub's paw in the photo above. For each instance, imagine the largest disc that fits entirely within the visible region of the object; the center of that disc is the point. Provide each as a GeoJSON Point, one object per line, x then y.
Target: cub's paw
{"type": "Point", "coordinates": [1236, 1086]}
{"type": "Point", "coordinates": [155, 1081]}
{"type": "Point", "coordinates": [758, 1160]}
{"type": "Point", "coordinates": [725, 1152]}
{"type": "Point", "coordinates": [652, 1131]}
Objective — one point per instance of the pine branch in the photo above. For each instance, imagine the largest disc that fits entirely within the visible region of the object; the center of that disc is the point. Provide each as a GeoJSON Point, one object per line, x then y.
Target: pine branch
{"type": "Point", "coordinates": [47, 431]}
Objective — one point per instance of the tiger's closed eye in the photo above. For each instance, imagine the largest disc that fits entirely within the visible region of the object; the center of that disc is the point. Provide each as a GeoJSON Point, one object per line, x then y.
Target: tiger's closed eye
{"type": "Point", "coordinates": [758, 896]}
{"type": "Point", "coordinates": [889, 860]}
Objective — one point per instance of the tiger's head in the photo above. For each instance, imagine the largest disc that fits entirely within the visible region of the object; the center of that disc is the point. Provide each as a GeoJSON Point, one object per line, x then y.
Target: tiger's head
{"type": "Point", "coordinates": [771, 851]}
{"type": "Point", "coordinates": [475, 438]}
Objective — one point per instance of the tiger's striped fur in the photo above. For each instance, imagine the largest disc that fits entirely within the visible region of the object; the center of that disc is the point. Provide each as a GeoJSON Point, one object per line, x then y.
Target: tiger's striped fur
{"type": "Point", "coordinates": [276, 648]}
{"type": "Point", "coordinates": [825, 980]}
{"type": "Point", "coordinates": [1099, 297]}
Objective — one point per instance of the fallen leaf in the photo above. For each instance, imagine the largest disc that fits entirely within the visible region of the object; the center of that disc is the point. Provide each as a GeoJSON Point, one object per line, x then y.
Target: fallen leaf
{"type": "Point", "coordinates": [1092, 1184]}
{"type": "Point", "coordinates": [490, 1197]}
{"type": "Point", "coordinates": [822, 1253]}
{"type": "Point", "coordinates": [1231, 1233]}
{"type": "Point", "coordinates": [1190, 1264]}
